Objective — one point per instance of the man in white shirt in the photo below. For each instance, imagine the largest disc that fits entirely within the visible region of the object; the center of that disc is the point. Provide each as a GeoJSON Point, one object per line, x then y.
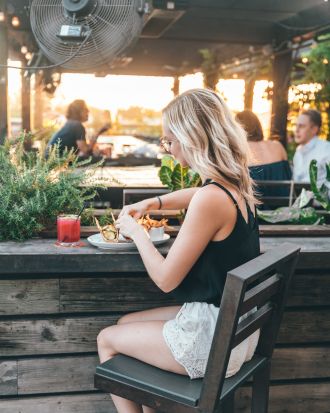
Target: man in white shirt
{"type": "Point", "coordinates": [310, 147]}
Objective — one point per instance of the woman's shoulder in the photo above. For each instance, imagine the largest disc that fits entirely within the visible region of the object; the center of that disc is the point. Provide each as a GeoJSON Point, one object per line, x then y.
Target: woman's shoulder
{"type": "Point", "coordinates": [276, 145]}
{"type": "Point", "coordinates": [275, 150]}
{"type": "Point", "coordinates": [212, 199]}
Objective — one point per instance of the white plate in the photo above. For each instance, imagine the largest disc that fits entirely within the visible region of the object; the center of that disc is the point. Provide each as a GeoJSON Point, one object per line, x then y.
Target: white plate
{"type": "Point", "coordinates": [98, 242]}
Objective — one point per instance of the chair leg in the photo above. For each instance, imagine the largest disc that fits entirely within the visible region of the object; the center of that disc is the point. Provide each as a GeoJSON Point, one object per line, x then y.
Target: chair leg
{"type": "Point", "coordinates": [228, 405]}
{"type": "Point", "coordinates": [260, 390]}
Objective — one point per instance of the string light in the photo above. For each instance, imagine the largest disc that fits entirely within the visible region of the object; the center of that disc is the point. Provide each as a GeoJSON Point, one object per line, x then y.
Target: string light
{"type": "Point", "coordinates": [15, 21]}
{"type": "Point", "coordinates": [325, 61]}
{"type": "Point", "coordinates": [24, 49]}
{"type": "Point", "coordinates": [2, 16]}
{"type": "Point", "coordinates": [304, 60]}
{"type": "Point", "coordinates": [28, 56]}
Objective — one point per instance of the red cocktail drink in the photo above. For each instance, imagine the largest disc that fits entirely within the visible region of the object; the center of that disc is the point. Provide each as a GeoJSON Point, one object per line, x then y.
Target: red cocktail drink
{"type": "Point", "coordinates": [68, 230]}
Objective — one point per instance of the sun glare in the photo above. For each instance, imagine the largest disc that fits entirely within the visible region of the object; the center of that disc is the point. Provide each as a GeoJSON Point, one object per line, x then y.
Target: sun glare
{"type": "Point", "coordinates": [115, 92]}
{"type": "Point", "coordinates": [233, 92]}
{"type": "Point", "coordinates": [120, 92]}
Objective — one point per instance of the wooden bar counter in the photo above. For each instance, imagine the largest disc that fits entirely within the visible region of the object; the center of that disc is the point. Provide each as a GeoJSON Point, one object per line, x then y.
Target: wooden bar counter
{"type": "Point", "coordinates": [54, 301]}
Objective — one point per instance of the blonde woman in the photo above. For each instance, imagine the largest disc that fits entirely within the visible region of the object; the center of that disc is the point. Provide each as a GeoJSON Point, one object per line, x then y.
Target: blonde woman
{"type": "Point", "coordinates": [219, 233]}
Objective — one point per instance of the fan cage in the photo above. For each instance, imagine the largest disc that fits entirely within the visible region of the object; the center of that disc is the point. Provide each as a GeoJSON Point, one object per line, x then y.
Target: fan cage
{"type": "Point", "coordinates": [110, 29]}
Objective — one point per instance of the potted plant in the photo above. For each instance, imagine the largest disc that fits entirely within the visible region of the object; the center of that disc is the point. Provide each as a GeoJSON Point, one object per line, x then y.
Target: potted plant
{"type": "Point", "coordinates": [300, 212]}
{"type": "Point", "coordinates": [35, 189]}
{"type": "Point", "coordinates": [175, 176]}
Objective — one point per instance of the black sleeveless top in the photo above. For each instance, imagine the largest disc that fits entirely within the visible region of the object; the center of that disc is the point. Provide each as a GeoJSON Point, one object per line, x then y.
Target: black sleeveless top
{"type": "Point", "coordinates": [206, 279]}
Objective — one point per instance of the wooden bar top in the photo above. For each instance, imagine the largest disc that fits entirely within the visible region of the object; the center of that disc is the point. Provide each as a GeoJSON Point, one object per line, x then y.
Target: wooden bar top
{"type": "Point", "coordinates": [265, 230]}
{"type": "Point", "coordinates": [42, 256]}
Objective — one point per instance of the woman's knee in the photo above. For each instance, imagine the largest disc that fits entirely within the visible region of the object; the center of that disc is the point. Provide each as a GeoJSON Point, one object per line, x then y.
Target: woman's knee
{"type": "Point", "coordinates": [101, 338]}
{"type": "Point", "coordinates": [127, 318]}
{"type": "Point", "coordinates": [104, 337]}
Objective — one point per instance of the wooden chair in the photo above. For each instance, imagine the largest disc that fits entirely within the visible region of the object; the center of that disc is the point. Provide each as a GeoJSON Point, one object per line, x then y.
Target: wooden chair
{"type": "Point", "coordinates": [263, 283]}
{"type": "Point", "coordinates": [290, 189]}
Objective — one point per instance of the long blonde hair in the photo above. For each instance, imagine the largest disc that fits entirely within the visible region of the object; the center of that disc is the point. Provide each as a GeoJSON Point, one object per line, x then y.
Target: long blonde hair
{"type": "Point", "coordinates": [212, 142]}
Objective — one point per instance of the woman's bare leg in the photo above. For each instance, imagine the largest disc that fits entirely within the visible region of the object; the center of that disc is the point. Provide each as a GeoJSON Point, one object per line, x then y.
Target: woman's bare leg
{"type": "Point", "coordinates": [119, 339]}
{"type": "Point", "coordinates": [160, 313]}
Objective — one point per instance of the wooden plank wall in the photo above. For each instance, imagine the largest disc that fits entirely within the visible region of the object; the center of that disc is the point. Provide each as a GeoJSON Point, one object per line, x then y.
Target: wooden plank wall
{"type": "Point", "coordinates": [48, 329]}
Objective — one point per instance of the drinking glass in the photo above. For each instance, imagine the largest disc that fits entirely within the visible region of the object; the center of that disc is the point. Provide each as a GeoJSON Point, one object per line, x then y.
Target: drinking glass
{"type": "Point", "coordinates": [68, 230]}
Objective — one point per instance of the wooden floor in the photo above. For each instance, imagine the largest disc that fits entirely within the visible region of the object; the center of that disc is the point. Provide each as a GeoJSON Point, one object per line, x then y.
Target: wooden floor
{"type": "Point", "coordinates": [49, 320]}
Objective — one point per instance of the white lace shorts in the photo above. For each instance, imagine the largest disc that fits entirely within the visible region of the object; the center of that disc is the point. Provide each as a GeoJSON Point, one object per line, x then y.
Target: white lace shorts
{"type": "Point", "coordinates": [189, 337]}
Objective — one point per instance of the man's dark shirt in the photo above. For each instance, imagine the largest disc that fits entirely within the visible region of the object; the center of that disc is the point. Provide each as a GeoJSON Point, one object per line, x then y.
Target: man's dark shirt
{"type": "Point", "coordinates": [67, 136]}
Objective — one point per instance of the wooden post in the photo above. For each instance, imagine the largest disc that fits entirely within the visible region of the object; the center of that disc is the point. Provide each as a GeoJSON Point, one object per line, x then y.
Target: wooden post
{"type": "Point", "coordinates": [248, 93]}
{"type": "Point", "coordinates": [38, 101]}
{"type": "Point", "coordinates": [26, 101]}
{"type": "Point", "coordinates": [281, 78]}
{"type": "Point", "coordinates": [176, 85]}
{"type": "Point", "coordinates": [3, 74]}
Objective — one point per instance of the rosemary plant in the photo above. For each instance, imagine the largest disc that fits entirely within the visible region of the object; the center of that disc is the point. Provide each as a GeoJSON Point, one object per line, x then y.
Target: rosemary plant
{"type": "Point", "coordinates": [35, 189]}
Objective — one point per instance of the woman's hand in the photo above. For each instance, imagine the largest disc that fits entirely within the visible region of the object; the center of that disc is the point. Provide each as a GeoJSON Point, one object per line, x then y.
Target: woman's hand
{"type": "Point", "coordinates": [136, 210]}
{"type": "Point", "coordinates": [127, 226]}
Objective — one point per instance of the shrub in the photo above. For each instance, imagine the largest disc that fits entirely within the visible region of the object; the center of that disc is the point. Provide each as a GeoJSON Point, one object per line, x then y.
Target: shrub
{"type": "Point", "coordinates": [34, 190]}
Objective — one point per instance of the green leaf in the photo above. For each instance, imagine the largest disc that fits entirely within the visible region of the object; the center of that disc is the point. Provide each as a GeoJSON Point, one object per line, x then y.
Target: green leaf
{"type": "Point", "coordinates": [178, 176]}
{"type": "Point", "coordinates": [321, 194]}
{"type": "Point", "coordinates": [195, 180]}
{"type": "Point", "coordinates": [165, 176]}
{"type": "Point", "coordinates": [168, 161]}
{"type": "Point", "coordinates": [291, 215]}
{"type": "Point", "coordinates": [327, 167]}
{"type": "Point", "coordinates": [313, 175]}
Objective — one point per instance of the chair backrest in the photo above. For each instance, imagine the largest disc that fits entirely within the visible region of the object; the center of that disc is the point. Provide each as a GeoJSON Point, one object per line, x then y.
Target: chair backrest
{"type": "Point", "coordinates": [280, 193]}
{"type": "Point", "coordinates": [261, 283]}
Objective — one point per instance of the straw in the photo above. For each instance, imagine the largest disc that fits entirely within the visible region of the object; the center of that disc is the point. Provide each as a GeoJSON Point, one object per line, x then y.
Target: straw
{"type": "Point", "coordinates": [80, 212]}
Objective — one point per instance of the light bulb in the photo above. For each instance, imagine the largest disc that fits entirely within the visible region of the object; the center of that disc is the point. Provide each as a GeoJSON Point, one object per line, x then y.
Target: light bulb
{"type": "Point", "coordinates": [15, 21]}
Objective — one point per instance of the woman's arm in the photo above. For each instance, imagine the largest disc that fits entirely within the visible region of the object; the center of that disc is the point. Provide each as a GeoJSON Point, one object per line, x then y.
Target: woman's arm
{"type": "Point", "coordinates": [174, 200]}
{"type": "Point", "coordinates": [206, 215]}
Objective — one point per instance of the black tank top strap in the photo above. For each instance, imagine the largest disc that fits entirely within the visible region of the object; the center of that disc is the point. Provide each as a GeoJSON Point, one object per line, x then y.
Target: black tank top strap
{"type": "Point", "coordinates": [208, 182]}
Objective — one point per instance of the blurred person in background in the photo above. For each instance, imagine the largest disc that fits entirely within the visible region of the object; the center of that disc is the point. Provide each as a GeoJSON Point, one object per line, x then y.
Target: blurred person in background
{"type": "Point", "coordinates": [73, 134]}
{"type": "Point", "coordinates": [269, 161]}
{"type": "Point", "coordinates": [310, 147]}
